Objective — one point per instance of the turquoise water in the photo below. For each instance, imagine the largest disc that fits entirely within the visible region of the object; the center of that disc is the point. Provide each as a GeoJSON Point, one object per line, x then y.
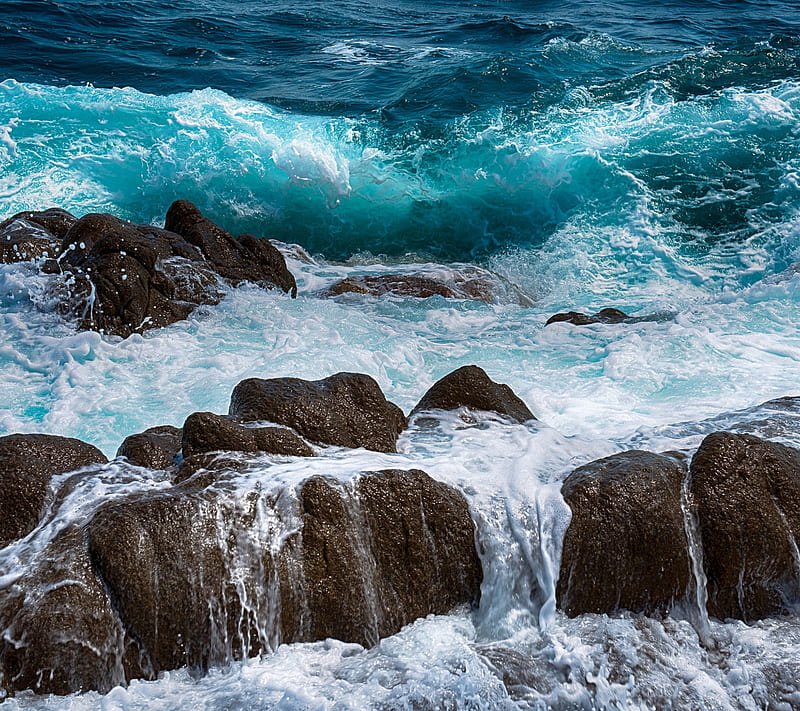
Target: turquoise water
{"type": "Point", "coordinates": [637, 155]}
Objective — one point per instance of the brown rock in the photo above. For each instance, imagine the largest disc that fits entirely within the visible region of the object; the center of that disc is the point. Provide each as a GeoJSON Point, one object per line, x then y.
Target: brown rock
{"type": "Point", "coordinates": [607, 315]}
{"type": "Point", "coordinates": [345, 409]}
{"type": "Point", "coordinates": [245, 259]}
{"type": "Point", "coordinates": [470, 386]}
{"type": "Point", "coordinates": [155, 448]}
{"type": "Point", "coordinates": [27, 463]}
{"type": "Point", "coordinates": [626, 546]}
{"type": "Point", "coordinates": [207, 432]}
{"type": "Point", "coordinates": [747, 494]}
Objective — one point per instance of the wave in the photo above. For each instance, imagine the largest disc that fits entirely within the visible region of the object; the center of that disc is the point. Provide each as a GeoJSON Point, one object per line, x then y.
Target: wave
{"type": "Point", "coordinates": [710, 177]}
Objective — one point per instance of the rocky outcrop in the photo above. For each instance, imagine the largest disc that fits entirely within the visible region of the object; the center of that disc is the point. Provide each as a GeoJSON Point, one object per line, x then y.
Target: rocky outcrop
{"type": "Point", "coordinates": [155, 448]}
{"type": "Point", "coordinates": [207, 432]}
{"type": "Point", "coordinates": [121, 278]}
{"type": "Point", "coordinates": [344, 410]}
{"type": "Point", "coordinates": [195, 576]}
{"type": "Point", "coordinates": [27, 463]}
{"type": "Point", "coordinates": [608, 315]}
{"type": "Point", "coordinates": [236, 260]}
{"type": "Point", "coordinates": [626, 546]}
{"type": "Point", "coordinates": [747, 496]}
{"type": "Point", "coordinates": [471, 387]}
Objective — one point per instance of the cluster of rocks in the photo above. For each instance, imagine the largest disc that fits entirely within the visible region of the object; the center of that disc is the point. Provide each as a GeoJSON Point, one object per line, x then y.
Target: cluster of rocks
{"type": "Point", "coordinates": [201, 571]}
{"type": "Point", "coordinates": [122, 278]}
{"type": "Point", "coordinates": [193, 575]}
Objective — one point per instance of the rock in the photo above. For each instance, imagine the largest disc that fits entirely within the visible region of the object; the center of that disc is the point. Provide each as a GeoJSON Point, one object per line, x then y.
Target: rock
{"type": "Point", "coordinates": [747, 496]}
{"type": "Point", "coordinates": [61, 632]}
{"type": "Point", "coordinates": [465, 281]}
{"type": "Point", "coordinates": [27, 463]}
{"type": "Point", "coordinates": [607, 315]}
{"type": "Point", "coordinates": [398, 284]}
{"type": "Point", "coordinates": [245, 259]}
{"type": "Point", "coordinates": [413, 540]}
{"type": "Point", "coordinates": [54, 221]}
{"type": "Point", "coordinates": [626, 546]}
{"type": "Point", "coordinates": [155, 448]}
{"type": "Point", "coordinates": [22, 240]}
{"type": "Point", "coordinates": [471, 387]}
{"type": "Point", "coordinates": [196, 583]}
{"type": "Point", "coordinates": [344, 410]}
{"type": "Point", "coordinates": [207, 432]}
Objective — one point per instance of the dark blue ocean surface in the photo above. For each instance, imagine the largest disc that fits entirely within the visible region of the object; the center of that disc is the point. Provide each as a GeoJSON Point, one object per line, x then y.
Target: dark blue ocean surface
{"type": "Point", "coordinates": [407, 59]}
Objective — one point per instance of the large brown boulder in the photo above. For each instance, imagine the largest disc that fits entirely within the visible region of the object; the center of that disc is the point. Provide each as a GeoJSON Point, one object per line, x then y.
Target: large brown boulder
{"type": "Point", "coordinates": [626, 546]}
{"type": "Point", "coordinates": [195, 581]}
{"type": "Point", "coordinates": [155, 448]}
{"type": "Point", "coordinates": [471, 387]}
{"type": "Point", "coordinates": [237, 260]}
{"type": "Point", "coordinates": [27, 463]}
{"type": "Point", "coordinates": [747, 496]}
{"type": "Point", "coordinates": [207, 432]}
{"type": "Point", "coordinates": [416, 555]}
{"type": "Point", "coordinates": [345, 409]}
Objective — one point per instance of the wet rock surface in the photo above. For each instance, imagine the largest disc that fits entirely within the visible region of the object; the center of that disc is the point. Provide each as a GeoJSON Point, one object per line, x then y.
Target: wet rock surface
{"type": "Point", "coordinates": [747, 496]}
{"type": "Point", "coordinates": [120, 278]}
{"type": "Point", "coordinates": [197, 575]}
{"type": "Point", "coordinates": [27, 463]}
{"type": "Point", "coordinates": [470, 386]}
{"type": "Point", "coordinates": [607, 315]}
{"type": "Point", "coordinates": [344, 410]}
{"type": "Point", "coordinates": [155, 448]}
{"type": "Point", "coordinates": [206, 432]}
{"type": "Point", "coordinates": [236, 260]}
{"type": "Point", "coordinates": [626, 546]}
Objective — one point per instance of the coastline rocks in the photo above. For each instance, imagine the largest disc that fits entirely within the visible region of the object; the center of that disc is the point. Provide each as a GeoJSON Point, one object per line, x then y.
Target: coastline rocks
{"type": "Point", "coordinates": [120, 278]}
{"type": "Point", "coordinates": [626, 546]}
{"type": "Point", "coordinates": [245, 259]}
{"type": "Point", "coordinates": [608, 315]}
{"type": "Point", "coordinates": [747, 494]}
{"type": "Point", "coordinates": [155, 448]}
{"type": "Point", "coordinates": [206, 432]}
{"type": "Point", "coordinates": [466, 281]}
{"type": "Point", "coordinates": [344, 410]}
{"type": "Point", "coordinates": [27, 463]}
{"type": "Point", "coordinates": [198, 575]}
{"type": "Point", "coordinates": [470, 386]}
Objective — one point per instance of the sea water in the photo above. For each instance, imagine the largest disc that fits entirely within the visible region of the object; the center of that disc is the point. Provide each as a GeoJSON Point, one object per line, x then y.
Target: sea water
{"type": "Point", "coordinates": [644, 156]}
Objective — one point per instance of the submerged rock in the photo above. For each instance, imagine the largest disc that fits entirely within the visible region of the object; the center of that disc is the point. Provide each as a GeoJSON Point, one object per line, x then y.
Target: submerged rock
{"type": "Point", "coordinates": [27, 463]}
{"type": "Point", "coordinates": [155, 448]}
{"type": "Point", "coordinates": [398, 284]}
{"type": "Point", "coordinates": [626, 546]}
{"type": "Point", "coordinates": [608, 315]}
{"type": "Point", "coordinates": [747, 496]}
{"type": "Point", "coordinates": [470, 386]}
{"type": "Point", "coordinates": [344, 410]}
{"type": "Point", "coordinates": [207, 432]}
{"type": "Point", "coordinates": [208, 572]}
{"type": "Point", "coordinates": [464, 281]}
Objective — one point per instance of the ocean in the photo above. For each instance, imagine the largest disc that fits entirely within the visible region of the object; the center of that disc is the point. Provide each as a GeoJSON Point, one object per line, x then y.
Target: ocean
{"type": "Point", "coordinates": [629, 154]}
